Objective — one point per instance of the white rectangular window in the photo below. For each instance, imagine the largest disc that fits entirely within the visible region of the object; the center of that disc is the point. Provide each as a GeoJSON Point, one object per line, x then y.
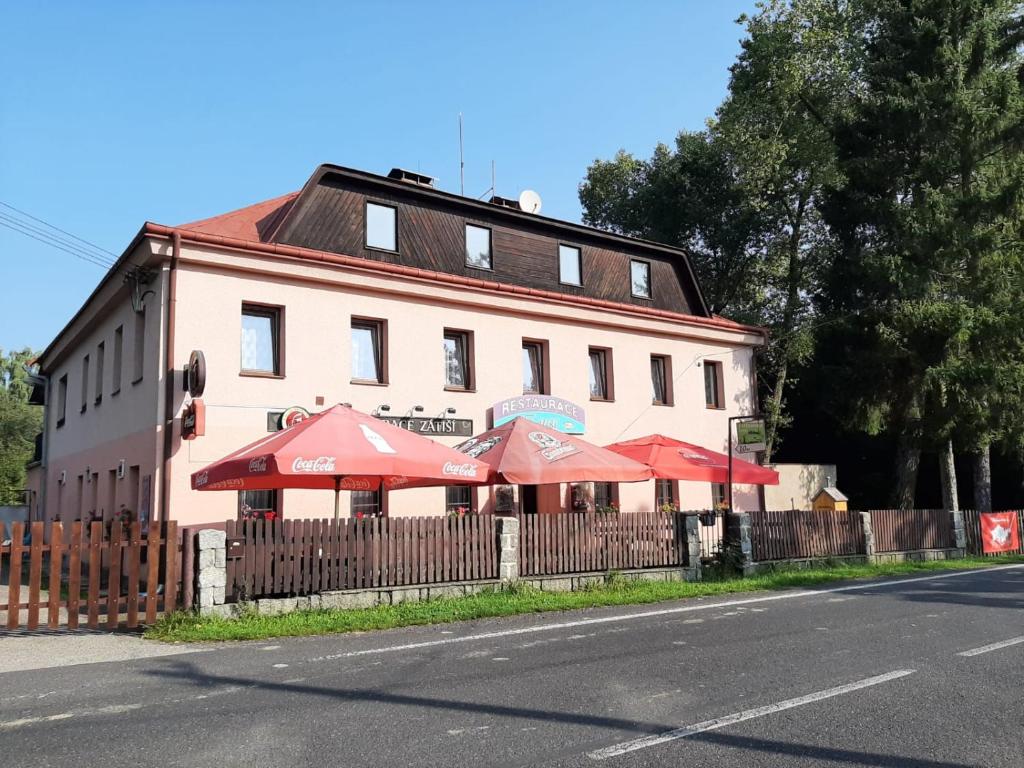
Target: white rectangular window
{"type": "Point", "coordinates": [261, 340]}
{"type": "Point", "coordinates": [118, 354]}
{"type": "Point", "coordinates": [85, 383]}
{"type": "Point", "coordinates": [140, 346]}
{"type": "Point", "coordinates": [100, 355]}
{"type": "Point", "coordinates": [640, 278]}
{"type": "Point", "coordinates": [381, 227]}
{"type": "Point", "coordinates": [458, 373]}
{"type": "Point", "coordinates": [368, 354]}
{"type": "Point", "coordinates": [478, 247]}
{"type": "Point", "coordinates": [570, 270]}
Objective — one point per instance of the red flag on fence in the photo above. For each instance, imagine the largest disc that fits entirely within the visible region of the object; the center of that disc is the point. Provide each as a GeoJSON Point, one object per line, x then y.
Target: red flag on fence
{"type": "Point", "coordinates": [999, 532]}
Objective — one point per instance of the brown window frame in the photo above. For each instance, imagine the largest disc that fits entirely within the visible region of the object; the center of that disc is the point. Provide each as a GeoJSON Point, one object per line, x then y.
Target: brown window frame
{"type": "Point", "coordinates": [276, 313]}
{"type": "Point", "coordinates": [101, 359]}
{"type": "Point", "coordinates": [276, 507]}
{"type": "Point", "coordinates": [650, 285]}
{"type": "Point", "coordinates": [613, 495]}
{"type": "Point", "coordinates": [719, 400]}
{"type": "Point", "coordinates": [139, 348]}
{"type": "Point", "coordinates": [382, 504]}
{"type": "Point", "coordinates": [116, 370]}
{"type": "Point", "coordinates": [366, 226]}
{"type": "Point", "coordinates": [469, 349]}
{"type": "Point", "coordinates": [673, 486]}
{"type": "Point", "coordinates": [543, 361]}
{"type": "Point", "coordinates": [85, 384]}
{"type": "Point", "coordinates": [666, 365]}
{"type": "Point", "coordinates": [579, 264]}
{"type": "Point", "coordinates": [470, 505]}
{"type": "Point", "coordinates": [607, 360]}
{"type": "Point", "coordinates": [62, 400]}
{"type": "Point", "coordinates": [381, 327]}
{"type": "Point", "coordinates": [490, 246]}
{"type": "Point", "coordinates": [724, 501]}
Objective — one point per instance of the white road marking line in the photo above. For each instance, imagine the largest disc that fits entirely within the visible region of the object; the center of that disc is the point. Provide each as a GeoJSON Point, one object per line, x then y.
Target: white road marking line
{"type": "Point", "coordinates": [280, 666]}
{"type": "Point", "coordinates": [992, 647]}
{"type": "Point", "coordinates": [645, 615]}
{"type": "Point", "coordinates": [748, 714]}
{"type": "Point", "coordinates": [113, 709]}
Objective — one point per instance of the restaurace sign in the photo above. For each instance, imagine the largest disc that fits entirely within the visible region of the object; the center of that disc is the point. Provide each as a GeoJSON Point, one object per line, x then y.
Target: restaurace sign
{"type": "Point", "coordinates": [552, 412]}
{"type": "Point", "coordinates": [432, 426]}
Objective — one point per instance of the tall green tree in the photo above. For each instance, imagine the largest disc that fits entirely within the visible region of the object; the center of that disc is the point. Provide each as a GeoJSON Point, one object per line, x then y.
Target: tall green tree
{"type": "Point", "coordinates": [19, 421]}
{"type": "Point", "coordinates": [743, 196]}
{"type": "Point", "coordinates": [928, 266]}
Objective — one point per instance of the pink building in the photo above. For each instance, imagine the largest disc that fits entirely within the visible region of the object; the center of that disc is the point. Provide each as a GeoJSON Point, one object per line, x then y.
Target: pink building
{"type": "Point", "coordinates": [418, 305]}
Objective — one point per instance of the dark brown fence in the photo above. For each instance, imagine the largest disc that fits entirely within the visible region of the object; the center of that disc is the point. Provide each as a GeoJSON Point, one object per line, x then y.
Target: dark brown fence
{"type": "Point", "coordinates": [578, 542]}
{"type": "Point", "coordinates": [303, 557]}
{"type": "Point", "coordinates": [803, 533]}
{"type": "Point", "coordinates": [972, 526]}
{"type": "Point", "coordinates": [906, 530]}
{"type": "Point", "coordinates": [81, 573]}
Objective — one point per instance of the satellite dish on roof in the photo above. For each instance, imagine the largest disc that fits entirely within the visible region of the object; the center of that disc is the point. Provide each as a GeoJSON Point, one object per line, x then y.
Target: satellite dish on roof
{"type": "Point", "coordinates": [529, 201]}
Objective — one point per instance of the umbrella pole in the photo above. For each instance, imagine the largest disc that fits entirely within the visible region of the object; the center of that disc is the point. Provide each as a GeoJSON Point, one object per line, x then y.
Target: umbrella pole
{"type": "Point", "coordinates": [337, 496]}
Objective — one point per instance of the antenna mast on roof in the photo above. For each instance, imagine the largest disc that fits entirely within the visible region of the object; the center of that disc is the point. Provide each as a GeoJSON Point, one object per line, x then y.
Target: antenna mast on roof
{"type": "Point", "coordinates": [462, 164]}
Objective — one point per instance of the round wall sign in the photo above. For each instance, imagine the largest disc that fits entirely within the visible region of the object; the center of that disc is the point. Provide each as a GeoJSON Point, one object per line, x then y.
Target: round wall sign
{"type": "Point", "coordinates": [293, 416]}
{"type": "Point", "coordinates": [196, 373]}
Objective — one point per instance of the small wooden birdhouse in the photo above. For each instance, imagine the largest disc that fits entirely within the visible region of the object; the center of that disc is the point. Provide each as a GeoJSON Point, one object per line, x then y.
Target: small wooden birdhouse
{"type": "Point", "coordinates": [830, 498]}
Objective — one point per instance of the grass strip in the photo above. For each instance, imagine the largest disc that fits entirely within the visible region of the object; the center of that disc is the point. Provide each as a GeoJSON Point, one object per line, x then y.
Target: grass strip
{"type": "Point", "coordinates": [521, 599]}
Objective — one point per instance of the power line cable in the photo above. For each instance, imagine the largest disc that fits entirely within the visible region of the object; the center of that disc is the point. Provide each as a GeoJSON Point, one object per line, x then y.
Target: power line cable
{"type": "Point", "coordinates": [76, 254]}
{"type": "Point", "coordinates": [50, 237]}
{"type": "Point", "coordinates": [51, 226]}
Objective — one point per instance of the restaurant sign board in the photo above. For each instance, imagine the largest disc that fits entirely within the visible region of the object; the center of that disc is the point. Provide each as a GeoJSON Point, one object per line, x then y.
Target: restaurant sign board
{"type": "Point", "coordinates": [432, 427]}
{"type": "Point", "coordinates": [552, 412]}
{"type": "Point", "coordinates": [750, 436]}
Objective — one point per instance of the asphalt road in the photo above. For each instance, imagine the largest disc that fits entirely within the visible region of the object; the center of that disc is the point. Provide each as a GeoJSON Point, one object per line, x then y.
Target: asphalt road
{"type": "Point", "coordinates": [923, 672]}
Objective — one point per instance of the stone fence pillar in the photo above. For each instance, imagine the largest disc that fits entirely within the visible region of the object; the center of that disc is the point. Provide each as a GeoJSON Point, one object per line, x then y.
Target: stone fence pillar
{"type": "Point", "coordinates": [959, 530]}
{"type": "Point", "coordinates": [212, 578]}
{"type": "Point", "coordinates": [740, 542]}
{"type": "Point", "coordinates": [693, 548]}
{"type": "Point", "coordinates": [508, 546]}
{"type": "Point", "coordinates": [869, 536]}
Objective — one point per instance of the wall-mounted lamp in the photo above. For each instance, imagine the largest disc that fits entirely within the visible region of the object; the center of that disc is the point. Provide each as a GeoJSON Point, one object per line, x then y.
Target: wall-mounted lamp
{"type": "Point", "coordinates": [382, 409]}
{"type": "Point", "coordinates": [418, 408]}
{"type": "Point", "coordinates": [347, 405]}
{"type": "Point", "coordinates": [450, 410]}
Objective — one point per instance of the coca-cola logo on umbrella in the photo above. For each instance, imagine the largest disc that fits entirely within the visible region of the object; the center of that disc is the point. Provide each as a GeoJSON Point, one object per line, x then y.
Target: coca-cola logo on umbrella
{"type": "Point", "coordinates": [258, 466]}
{"type": "Point", "coordinates": [459, 470]}
{"type": "Point", "coordinates": [319, 464]}
{"type": "Point", "coordinates": [356, 484]}
{"type": "Point", "coordinates": [202, 479]}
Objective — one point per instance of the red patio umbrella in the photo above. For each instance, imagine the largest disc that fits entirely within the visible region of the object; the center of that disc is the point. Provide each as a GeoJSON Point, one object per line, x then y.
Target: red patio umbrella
{"type": "Point", "coordinates": [526, 453]}
{"type": "Point", "coordinates": [672, 459]}
{"type": "Point", "coordinates": [340, 449]}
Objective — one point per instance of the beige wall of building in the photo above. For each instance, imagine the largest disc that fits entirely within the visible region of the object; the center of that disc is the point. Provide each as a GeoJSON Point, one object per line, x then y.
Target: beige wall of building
{"type": "Point", "coordinates": [798, 485]}
{"type": "Point", "coordinates": [318, 302]}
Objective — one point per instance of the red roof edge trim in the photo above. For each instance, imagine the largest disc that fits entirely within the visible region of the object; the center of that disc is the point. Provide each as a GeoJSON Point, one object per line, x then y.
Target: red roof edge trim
{"type": "Point", "coordinates": [310, 254]}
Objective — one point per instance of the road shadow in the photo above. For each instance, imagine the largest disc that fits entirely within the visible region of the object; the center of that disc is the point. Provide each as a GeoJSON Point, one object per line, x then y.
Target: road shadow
{"type": "Point", "coordinates": [187, 672]}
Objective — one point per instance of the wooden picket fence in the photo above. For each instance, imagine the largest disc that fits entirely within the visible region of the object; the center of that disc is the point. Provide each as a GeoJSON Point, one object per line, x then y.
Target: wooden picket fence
{"type": "Point", "coordinates": [804, 533]}
{"type": "Point", "coordinates": [83, 574]}
{"type": "Point", "coordinates": [580, 542]}
{"type": "Point", "coordinates": [906, 530]}
{"type": "Point", "coordinates": [303, 557]}
{"type": "Point", "coordinates": [972, 526]}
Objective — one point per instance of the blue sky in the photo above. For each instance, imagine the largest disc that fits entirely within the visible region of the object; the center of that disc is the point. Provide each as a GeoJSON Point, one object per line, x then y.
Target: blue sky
{"type": "Point", "coordinates": [112, 113]}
